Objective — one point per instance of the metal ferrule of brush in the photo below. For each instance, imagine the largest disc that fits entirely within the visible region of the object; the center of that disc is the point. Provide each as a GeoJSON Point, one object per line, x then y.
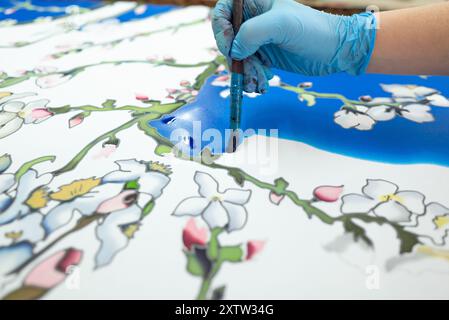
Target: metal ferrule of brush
{"type": "Point", "coordinates": [236, 98]}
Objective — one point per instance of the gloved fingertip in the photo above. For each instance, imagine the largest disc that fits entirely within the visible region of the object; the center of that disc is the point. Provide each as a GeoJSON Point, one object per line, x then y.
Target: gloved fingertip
{"type": "Point", "coordinates": [236, 52]}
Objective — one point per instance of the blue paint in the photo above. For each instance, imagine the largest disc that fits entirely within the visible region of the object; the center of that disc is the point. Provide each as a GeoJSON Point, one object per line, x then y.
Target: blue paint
{"type": "Point", "coordinates": [24, 16]}
{"type": "Point", "coordinates": [151, 10]}
{"type": "Point", "coordinates": [395, 141]}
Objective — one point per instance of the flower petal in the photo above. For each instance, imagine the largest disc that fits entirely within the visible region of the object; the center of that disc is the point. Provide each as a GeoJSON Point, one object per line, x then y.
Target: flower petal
{"type": "Point", "coordinates": [237, 216]}
{"type": "Point", "coordinates": [393, 211]}
{"type": "Point", "coordinates": [381, 113]}
{"type": "Point", "coordinates": [417, 113]}
{"type": "Point", "coordinates": [236, 196]}
{"type": "Point", "coordinates": [27, 183]}
{"type": "Point", "coordinates": [13, 256]}
{"type": "Point", "coordinates": [85, 205]}
{"type": "Point", "coordinates": [208, 186]}
{"type": "Point", "coordinates": [28, 228]}
{"type": "Point", "coordinates": [5, 117]}
{"type": "Point", "coordinates": [398, 90]}
{"type": "Point", "coordinates": [215, 215]}
{"type": "Point", "coordinates": [356, 203]}
{"type": "Point", "coordinates": [192, 206]}
{"type": "Point", "coordinates": [428, 227]}
{"type": "Point", "coordinates": [376, 188]}
{"type": "Point", "coordinates": [423, 91]}
{"type": "Point", "coordinates": [438, 100]}
{"type": "Point", "coordinates": [413, 201]}
{"type": "Point", "coordinates": [7, 180]}
{"type": "Point", "coordinates": [111, 235]}
{"type": "Point", "coordinates": [345, 119]}
{"type": "Point", "coordinates": [129, 170]}
{"type": "Point", "coordinates": [153, 183]}
{"type": "Point", "coordinates": [13, 106]}
{"type": "Point", "coordinates": [10, 127]}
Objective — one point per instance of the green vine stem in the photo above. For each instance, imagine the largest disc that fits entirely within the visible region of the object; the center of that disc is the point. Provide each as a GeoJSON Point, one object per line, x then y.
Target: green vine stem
{"type": "Point", "coordinates": [115, 42]}
{"type": "Point", "coordinates": [9, 81]}
{"type": "Point", "coordinates": [21, 44]}
{"type": "Point", "coordinates": [347, 102]}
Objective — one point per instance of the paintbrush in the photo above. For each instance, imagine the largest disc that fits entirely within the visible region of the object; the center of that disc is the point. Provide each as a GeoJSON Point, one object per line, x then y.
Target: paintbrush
{"type": "Point", "coordinates": [236, 81]}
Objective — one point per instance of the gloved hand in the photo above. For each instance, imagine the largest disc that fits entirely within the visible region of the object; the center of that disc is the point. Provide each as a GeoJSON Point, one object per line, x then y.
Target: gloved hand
{"type": "Point", "coordinates": [288, 35]}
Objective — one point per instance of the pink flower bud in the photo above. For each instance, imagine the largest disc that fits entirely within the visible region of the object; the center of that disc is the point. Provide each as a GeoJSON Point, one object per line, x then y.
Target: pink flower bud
{"type": "Point", "coordinates": [121, 201]}
{"type": "Point", "coordinates": [328, 193]}
{"type": "Point", "coordinates": [276, 198]}
{"type": "Point", "coordinates": [192, 235]}
{"type": "Point", "coordinates": [40, 113]}
{"type": "Point", "coordinates": [253, 247]}
{"type": "Point", "coordinates": [184, 83]}
{"type": "Point", "coordinates": [141, 97]}
{"type": "Point", "coordinates": [76, 120]}
{"type": "Point", "coordinates": [53, 270]}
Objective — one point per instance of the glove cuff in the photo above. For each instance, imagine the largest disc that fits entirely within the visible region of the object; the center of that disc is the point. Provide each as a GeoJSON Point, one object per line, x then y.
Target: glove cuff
{"type": "Point", "coordinates": [357, 43]}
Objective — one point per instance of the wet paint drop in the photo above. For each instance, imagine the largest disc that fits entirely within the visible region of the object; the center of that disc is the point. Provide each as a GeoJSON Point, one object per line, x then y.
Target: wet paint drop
{"type": "Point", "coordinates": [168, 120]}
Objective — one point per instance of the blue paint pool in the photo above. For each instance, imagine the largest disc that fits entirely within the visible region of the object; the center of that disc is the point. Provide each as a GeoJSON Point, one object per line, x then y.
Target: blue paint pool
{"type": "Point", "coordinates": [395, 141]}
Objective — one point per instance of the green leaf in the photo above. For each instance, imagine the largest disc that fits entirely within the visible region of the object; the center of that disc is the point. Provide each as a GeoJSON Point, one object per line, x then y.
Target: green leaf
{"type": "Point", "coordinates": [213, 246]}
{"type": "Point", "coordinates": [10, 81]}
{"type": "Point", "coordinates": [281, 185]}
{"type": "Point", "coordinates": [408, 240]}
{"type": "Point", "coordinates": [132, 185]}
{"type": "Point", "coordinates": [109, 103]}
{"type": "Point", "coordinates": [357, 231]}
{"type": "Point", "coordinates": [194, 266]}
{"type": "Point", "coordinates": [162, 149]}
{"type": "Point", "coordinates": [231, 254]}
{"type": "Point", "coordinates": [5, 162]}
{"type": "Point", "coordinates": [148, 208]}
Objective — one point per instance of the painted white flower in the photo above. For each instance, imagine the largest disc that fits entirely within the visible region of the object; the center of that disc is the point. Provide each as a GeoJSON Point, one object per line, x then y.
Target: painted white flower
{"type": "Point", "coordinates": [120, 207]}
{"type": "Point", "coordinates": [151, 183]}
{"type": "Point", "coordinates": [219, 209]}
{"type": "Point", "coordinates": [383, 198]}
{"type": "Point", "coordinates": [15, 113]}
{"type": "Point", "coordinates": [417, 93]}
{"type": "Point", "coordinates": [414, 112]}
{"type": "Point", "coordinates": [111, 235]}
{"type": "Point", "coordinates": [52, 80]}
{"type": "Point", "coordinates": [354, 118]}
{"type": "Point", "coordinates": [15, 207]}
{"type": "Point", "coordinates": [28, 228]}
{"type": "Point", "coordinates": [85, 204]}
{"type": "Point", "coordinates": [434, 225]}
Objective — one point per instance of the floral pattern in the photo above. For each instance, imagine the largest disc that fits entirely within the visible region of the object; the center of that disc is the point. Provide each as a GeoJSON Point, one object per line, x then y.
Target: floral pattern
{"type": "Point", "coordinates": [408, 101]}
{"type": "Point", "coordinates": [218, 209]}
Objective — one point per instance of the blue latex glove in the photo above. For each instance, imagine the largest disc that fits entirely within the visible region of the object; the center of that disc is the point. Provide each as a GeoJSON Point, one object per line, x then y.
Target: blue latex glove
{"type": "Point", "coordinates": [287, 35]}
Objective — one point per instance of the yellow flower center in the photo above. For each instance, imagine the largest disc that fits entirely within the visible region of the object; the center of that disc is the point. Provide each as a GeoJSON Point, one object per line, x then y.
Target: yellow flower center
{"type": "Point", "coordinates": [441, 221]}
{"type": "Point", "coordinates": [21, 114]}
{"type": "Point", "coordinates": [14, 235]}
{"type": "Point", "coordinates": [75, 189]}
{"type": "Point", "coordinates": [38, 199]}
{"type": "Point", "coordinates": [216, 198]}
{"type": "Point", "coordinates": [391, 196]}
{"type": "Point", "coordinates": [4, 94]}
